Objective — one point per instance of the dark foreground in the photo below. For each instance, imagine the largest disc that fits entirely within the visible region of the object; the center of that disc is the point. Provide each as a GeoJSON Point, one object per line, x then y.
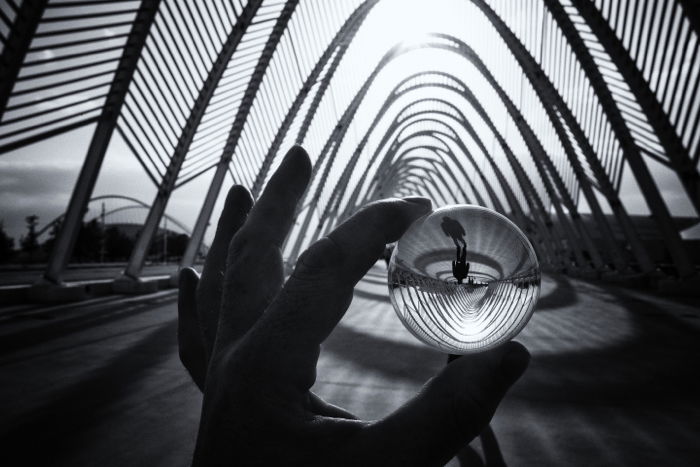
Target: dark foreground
{"type": "Point", "coordinates": [614, 380]}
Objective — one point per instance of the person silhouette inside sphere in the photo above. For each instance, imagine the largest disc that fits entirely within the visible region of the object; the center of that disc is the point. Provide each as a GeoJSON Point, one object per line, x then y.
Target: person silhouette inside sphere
{"type": "Point", "coordinates": [460, 267]}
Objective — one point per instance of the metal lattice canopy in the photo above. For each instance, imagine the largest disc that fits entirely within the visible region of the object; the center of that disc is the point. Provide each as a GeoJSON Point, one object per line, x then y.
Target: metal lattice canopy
{"type": "Point", "coordinates": [539, 109]}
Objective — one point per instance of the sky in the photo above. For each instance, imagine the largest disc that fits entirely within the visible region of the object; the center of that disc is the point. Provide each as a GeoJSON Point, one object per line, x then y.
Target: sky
{"type": "Point", "coordinates": [38, 180]}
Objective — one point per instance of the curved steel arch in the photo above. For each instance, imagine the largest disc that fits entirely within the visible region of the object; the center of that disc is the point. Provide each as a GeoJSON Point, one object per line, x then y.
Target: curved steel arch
{"type": "Point", "coordinates": [561, 116]}
{"type": "Point", "coordinates": [543, 229]}
{"type": "Point", "coordinates": [645, 97]}
{"type": "Point", "coordinates": [400, 142]}
{"type": "Point", "coordinates": [401, 173]}
{"type": "Point", "coordinates": [534, 205]}
{"type": "Point", "coordinates": [405, 164]}
{"type": "Point", "coordinates": [107, 122]}
{"type": "Point", "coordinates": [339, 131]}
{"type": "Point", "coordinates": [404, 159]}
{"type": "Point", "coordinates": [136, 201]}
{"type": "Point", "coordinates": [339, 45]}
{"type": "Point", "coordinates": [407, 157]}
{"type": "Point", "coordinates": [512, 159]}
{"type": "Point", "coordinates": [335, 197]}
{"type": "Point", "coordinates": [505, 184]}
{"type": "Point", "coordinates": [138, 254]}
{"type": "Point", "coordinates": [441, 161]}
{"type": "Point", "coordinates": [553, 102]}
{"type": "Point", "coordinates": [444, 155]}
{"type": "Point", "coordinates": [409, 177]}
{"type": "Point", "coordinates": [537, 152]}
{"type": "Point", "coordinates": [464, 122]}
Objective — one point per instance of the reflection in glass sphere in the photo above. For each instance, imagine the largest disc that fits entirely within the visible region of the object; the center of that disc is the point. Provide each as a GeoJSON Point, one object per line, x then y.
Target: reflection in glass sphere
{"type": "Point", "coordinates": [464, 279]}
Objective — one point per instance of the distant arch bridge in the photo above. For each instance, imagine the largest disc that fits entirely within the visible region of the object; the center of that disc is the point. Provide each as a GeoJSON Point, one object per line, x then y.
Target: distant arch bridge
{"type": "Point", "coordinates": [136, 204]}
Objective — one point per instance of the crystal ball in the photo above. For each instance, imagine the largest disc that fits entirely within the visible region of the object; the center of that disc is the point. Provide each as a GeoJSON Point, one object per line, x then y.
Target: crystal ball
{"type": "Point", "coordinates": [464, 279]}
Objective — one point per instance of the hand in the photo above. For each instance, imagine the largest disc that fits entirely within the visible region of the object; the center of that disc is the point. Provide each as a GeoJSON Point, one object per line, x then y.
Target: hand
{"type": "Point", "coordinates": [252, 343]}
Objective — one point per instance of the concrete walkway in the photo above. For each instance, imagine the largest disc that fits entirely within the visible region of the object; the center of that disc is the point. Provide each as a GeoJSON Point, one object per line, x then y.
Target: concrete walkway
{"type": "Point", "coordinates": [28, 275]}
{"type": "Point", "coordinates": [613, 380]}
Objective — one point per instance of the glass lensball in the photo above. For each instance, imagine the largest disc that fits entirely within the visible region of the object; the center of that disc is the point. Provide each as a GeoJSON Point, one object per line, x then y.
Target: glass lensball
{"type": "Point", "coordinates": [464, 279]}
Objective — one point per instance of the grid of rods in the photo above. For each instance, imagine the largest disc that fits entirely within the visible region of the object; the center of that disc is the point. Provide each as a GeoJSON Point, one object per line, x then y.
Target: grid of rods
{"type": "Point", "coordinates": [8, 13]}
{"type": "Point", "coordinates": [213, 130]}
{"type": "Point", "coordinates": [309, 32]}
{"type": "Point", "coordinates": [326, 186]}
{"type": "Point", "coordinates": [659, 37]}
{"type": "Point", "coordinates": [181, 48]}
{"type": "Point", "coordinates": [67, 70]}
{"type": "Point", "coordinates": [526, 22]}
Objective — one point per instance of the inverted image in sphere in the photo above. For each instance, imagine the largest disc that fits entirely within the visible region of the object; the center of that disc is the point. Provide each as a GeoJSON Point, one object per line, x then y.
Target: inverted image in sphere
{"type": "Point", "coordinates": [464, 279]}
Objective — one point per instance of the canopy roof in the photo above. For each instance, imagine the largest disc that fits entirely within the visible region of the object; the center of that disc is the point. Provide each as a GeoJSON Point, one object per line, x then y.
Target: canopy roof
{"type": "Point", "coordinates": [538, 109]}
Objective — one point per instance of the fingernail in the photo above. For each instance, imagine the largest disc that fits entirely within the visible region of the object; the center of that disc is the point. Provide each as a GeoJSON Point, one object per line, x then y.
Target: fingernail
{"type": "Point", "coordinates": [514, 362]}
{"type": "Point", "coordinates": [419, 200]}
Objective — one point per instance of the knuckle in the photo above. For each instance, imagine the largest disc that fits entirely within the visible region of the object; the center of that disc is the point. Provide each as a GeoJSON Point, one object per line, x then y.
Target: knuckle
{"type": "Point", "coordinates": [319, 258]}
{"type": "Point", "coordinates": [244, 243]}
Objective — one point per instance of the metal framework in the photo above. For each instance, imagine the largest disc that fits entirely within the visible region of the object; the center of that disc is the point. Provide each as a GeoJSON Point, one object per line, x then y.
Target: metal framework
{"type": "Point", "coordinates": [588, 100]}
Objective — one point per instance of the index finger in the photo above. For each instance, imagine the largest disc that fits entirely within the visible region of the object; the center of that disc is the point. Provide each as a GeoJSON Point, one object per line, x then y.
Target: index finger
{"type": "Point", "coordinates": [238, 204]}
{"type": "Point", "coordinates": [319, 291]}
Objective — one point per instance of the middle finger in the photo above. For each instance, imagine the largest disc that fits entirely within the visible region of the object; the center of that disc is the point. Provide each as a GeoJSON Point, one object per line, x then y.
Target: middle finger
{"type": "Point", "coordinates": [254, 273]}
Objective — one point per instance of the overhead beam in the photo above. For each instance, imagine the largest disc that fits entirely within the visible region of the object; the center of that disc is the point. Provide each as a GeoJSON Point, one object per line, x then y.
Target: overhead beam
{"type": "Point", "coordinates": [532, 199]}
{"type": "Point", "coordinates": [18, 41]}
{"type": "Point", "coordinates": [168, 183]}
{"type": "Point", "coordinates": [394, 95]}
{"type": "Point", "coordinates": [658, 119]}
{"type": "Point", "coordinates": [236, 129]}
{"type": "Point", "coordinates": [339, 45]}
{"type": "Point", "coordinates": [462, 49]}
{"type": "Point", "coordinates": [619, 128]}
{"type": "Point", "coordinates": [84, 186]}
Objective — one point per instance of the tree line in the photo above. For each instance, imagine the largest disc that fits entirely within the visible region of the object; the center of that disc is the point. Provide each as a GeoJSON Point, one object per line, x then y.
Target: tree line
{"type": "Point", "coordinates": [96, 243]}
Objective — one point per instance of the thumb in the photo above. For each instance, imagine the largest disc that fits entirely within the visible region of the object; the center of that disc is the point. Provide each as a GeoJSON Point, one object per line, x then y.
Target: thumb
{"type": "Point", "coordinates": [190, 338]}
{"type": "Point", "coordinates": [450, 411]}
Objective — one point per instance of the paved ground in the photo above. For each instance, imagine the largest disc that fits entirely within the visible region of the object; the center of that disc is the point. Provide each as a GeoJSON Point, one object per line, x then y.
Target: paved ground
{"type": "Point", "coordinates": [26, 275]}
{"type": "Point", "coordinates": [613, 380]}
